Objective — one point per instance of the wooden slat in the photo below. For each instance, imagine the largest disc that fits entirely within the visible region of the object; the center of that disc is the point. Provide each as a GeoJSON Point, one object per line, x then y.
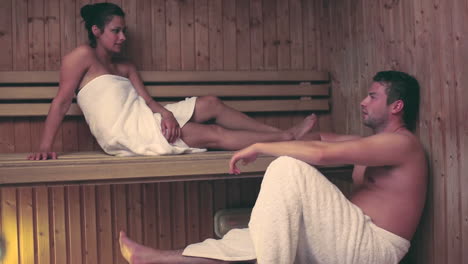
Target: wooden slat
{"type": "Point", "coordinates": [119, 218]}
{"type": "Point", "coordinates": [49, 92]}
{"type": "Point", "coordinates": [59, 245]}
{"type": "Point", "coordinates": [178, 214]}
{"type": "Point", "coordinates": [26, 226]}
{"type": "Point", "coordinates": [105, 238]}
{"type": "Point", "coordinates": [229, 35]}
{"type": "Point", "coordinates": [88, 203]}
{"type": "Point", "coordinates": [202, 48]}
{"type": "Point", "coordinates": [74, 226]}
{"type": "Point", "coordinates": [215, 21]}
{"type": "Point", "coordinates": [179, 76]}
{"type": "Point", "coordinates": [164, 216]}
{"type": "Point", "coordinates": [256, 35]}
{"type": "Point", "coordinates": [9, 219]}
{"type": "Point", "coordinates": [243, 106]}
{"type": "Point", "coordinates": [243, 34]}
{"type": "Point", "coordinates": [42, 224]}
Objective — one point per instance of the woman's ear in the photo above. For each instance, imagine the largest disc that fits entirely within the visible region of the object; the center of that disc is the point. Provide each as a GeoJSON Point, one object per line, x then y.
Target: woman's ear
{"type": "Point", "coordinates": [397, 106]}
{"type": "Point", "coordinates": [96, 31]}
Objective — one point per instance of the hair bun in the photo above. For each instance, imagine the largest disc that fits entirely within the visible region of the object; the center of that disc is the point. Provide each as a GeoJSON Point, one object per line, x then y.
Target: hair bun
{"type": "Point", "coordinates": [86, 12]}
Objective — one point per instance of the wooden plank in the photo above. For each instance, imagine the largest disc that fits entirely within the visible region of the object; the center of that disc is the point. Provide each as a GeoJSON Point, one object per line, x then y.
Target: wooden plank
{"type": "Point", "coordinates": [229, 35]}
{"type": "Point", "coordinates": [256, 35]}
{"type": "Point", "coordinates": [295, 29]}
{"type": "Point", "coordinates": [143, 37]}
{"type": "Point", "coordinates": [134, 211]}
{"type": "Point", "coordinates": [192, 206]}
{"type": "Point", "coordinates": [88, 203]}
{"type": "Point", "coordinates": [206, 210]}
{"type": "Point", "coordinates": [10, 219]}
{"type": "Point", "coordinates": [20, 35]}
{"type": "Point", "coordinates": [74, 227]}
{"type": "Point", "coordinates": [187, 36]}
{"type": "Point", "coordinates": [104, 219]}
{"type": "Point", "coordinates": [119, 218]}
{"type": "Point", "coordinates": [270, 46]}
{"type": "Point", "coordinates": [69, 134]}
{"type": "Point", "coordinates": [202, 56]}
{"type": "Point", "coordinates": [38, 77]}
{"type": "Point", "coordinates": [215, 31]}
{"type": "Point", "coordinates": [7, 135]}
{"type": "Point", "coordinates": [243, 34]}
{"type": "Point", "coordinates": [133, 44]}
{"type": "Point", "coordinates": [283, 35]}
{"type": "Point", "coordinates": [23, 135]}
{"type": "Point", "coordinates": [6, 36]}
{"type": "Point", "coordinates": [159, 53]}
{"type": "Point", "coordinates": [17, 93]}
{"type": "Point", "coordinates": [173, 45]}
{"type": "Point", "coordinates": [164, 216]}
{"type": "Point", "coordinates": [42, 224]}
{"type": "Point", "coordinates": [26, 226]}
{"type": "Point", "coordinates": [243, 106]}
{"type": "Point", "coordinates": [52, 34]}
{"type": "Point", "coordinates": [59, 245]}
{"type": "Point", "coordinates": [67, 26]}
{"type": "Point", "coordinates": [36, 21]}
{"type": "Point", "coordinates": [178, 215]}
{"type": "Point", "coordinates": [310, 34]}
{"type": "Point", "coordinates": [81, 32]}
{"type": "Point", "coordinates": [150, 221]}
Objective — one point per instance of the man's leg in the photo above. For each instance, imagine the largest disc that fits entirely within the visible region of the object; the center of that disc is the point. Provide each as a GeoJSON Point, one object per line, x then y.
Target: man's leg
{"type": "Point", "coordinates": [300, 216]}
{"type": "Point", "coordinates": [135, 253]}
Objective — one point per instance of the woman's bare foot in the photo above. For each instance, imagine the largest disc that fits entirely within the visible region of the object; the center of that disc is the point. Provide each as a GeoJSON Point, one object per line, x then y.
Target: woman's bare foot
{"type": "Point", "coordinates": [301, 129]}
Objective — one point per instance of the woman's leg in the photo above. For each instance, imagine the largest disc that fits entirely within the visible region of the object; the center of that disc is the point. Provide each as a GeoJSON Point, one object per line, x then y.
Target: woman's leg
{"type": "Point", "coordinates": [216, 137]}
{"type": "Point", "coordinates": [211, 108]}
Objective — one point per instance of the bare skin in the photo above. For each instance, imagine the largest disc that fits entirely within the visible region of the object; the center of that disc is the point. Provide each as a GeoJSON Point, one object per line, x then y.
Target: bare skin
{"type": "Point", "coordinates": [232, 130]}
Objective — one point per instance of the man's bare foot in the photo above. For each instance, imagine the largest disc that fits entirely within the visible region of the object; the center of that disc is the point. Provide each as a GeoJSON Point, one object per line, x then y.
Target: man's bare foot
{"type": "Point", "coordinates": [135, 253]}
{"type": "Point", "coordinates": [301, 129]}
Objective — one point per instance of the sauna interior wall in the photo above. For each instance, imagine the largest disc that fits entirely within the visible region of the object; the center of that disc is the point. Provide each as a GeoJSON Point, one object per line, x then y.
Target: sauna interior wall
{"type": "Point", "coordinates": [80, 223]}
{"type": "Point", "coordinates": [428, 38]}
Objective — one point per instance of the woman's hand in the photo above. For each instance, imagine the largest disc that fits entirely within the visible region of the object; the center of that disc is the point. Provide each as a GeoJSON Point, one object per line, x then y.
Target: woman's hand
{"type": "Point", "coordinates": [247, 155]}
{"type": "Point", "coordinates": [170, 127]}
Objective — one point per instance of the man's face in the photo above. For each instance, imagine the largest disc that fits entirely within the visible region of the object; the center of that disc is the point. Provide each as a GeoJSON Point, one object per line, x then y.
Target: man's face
{"type": "Point", "coordinates": [374, 107]}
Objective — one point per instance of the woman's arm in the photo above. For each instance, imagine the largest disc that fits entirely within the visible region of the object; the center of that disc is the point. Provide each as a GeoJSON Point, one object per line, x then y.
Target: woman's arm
{"type": "Point", "coordinates": [72, 70]}
{"type": "Point", "coordinates": [169, 125]}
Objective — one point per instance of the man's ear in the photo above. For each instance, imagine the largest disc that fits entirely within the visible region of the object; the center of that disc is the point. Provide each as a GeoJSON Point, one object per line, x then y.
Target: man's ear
{"type": "Point", "coordinates": [96, 31]}
{"type": "Point", "coordinates": [397, 106]}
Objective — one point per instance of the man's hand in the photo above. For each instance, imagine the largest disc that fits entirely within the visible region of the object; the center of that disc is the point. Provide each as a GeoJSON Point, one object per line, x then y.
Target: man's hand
{"type": "Point", "coordinates": [170, 127]}
{"type": "Point", "coordinates": [247, 155]}
{"type": "Point", "coordinates": [42, 155]}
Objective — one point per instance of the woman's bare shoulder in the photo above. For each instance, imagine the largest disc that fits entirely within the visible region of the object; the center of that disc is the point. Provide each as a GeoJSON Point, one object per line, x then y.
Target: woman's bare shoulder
{"type": "Point", "coordinates": [82, 53]}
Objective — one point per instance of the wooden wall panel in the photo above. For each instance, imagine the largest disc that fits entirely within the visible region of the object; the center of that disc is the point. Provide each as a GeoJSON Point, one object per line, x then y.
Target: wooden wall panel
{"type": "Point", "coordinates": [428, 40]}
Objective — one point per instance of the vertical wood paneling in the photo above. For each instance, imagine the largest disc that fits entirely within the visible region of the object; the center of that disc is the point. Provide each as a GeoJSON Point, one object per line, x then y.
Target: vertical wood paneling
{"type": "Point", "coordinates": [178, 215]}
{"type": "Point", "coordinates": [10, 219]}
{"type": "Point", "coordinates": [36, 21]}
{"type": "Point", "coordinates": [192, 211]}
{"type": "Point", "coordinates": [270, 47]}
{"type": "Point", "coordinates": [297, 44]}
{"type": "Point", "coordinates": [20, 35]}
{"type": "Point", "coordinates": [119, 218]}
{"type": "Point", "coordinates": [134, 212]}
{"type": "Point", "coordinates": [201, 35]}
{"type": "Point", "coordinates": [67, 26]}
{"type": "Point", "coordinates": [164, 216]}
{"type": "Point", "coordinates": [25, 226]}
{"type": "Point", "coordinates": [256, 35]}
{"type": "Point", "coordinates": [159, 35]}
{"type": "Point", "coordinates": [173, 35]}
{"type": "Point", "coordinates": [42, 223]}
{"type": "Point", "coordinates": [6, 36]}
{"type": "Point", "coordinates": [74, 224]}
{"type": "Point", "coordinates": [88, 212]}
{"type": "Point", "coordinates": [229, 35]}
{"type": "Point", "coordinates": [215, 27]}
{"type": "Point", "coordinates": [187, 36]}
{"type": "Point", "coordinates": [104, 220]}
{"type": "Point", "coordinates": [59, 245]}
{"type": "Point", "coordinates": [150, 221]}
{"type": "Point", "coordinates": [243, 34]}
{"type": "Point", "coordinates": [283, 35]}
{"type": "Point", "coordinates": [145, 46]}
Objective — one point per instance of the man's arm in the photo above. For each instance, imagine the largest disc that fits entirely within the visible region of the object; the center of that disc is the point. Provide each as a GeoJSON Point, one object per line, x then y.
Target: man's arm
{"type": "Point", "coordinates": [385, 149]}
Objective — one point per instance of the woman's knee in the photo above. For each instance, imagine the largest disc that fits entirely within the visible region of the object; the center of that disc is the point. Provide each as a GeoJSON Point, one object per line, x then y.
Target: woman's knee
{"type": "Point", "coordinates": [209, 102]}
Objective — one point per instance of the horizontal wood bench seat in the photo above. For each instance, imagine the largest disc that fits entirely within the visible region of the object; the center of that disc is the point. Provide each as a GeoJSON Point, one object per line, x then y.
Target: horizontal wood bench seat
{"type": "Point", "coordinates": [98, 167]}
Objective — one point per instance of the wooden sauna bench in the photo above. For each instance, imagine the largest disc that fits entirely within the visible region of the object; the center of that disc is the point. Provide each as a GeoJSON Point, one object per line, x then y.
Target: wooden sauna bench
{"type": "Point", "coordinates": [28, 94]}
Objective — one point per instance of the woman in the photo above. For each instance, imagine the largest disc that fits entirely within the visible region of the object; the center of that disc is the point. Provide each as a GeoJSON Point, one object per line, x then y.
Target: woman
{"type": "Point", "coordinates": [125, 119]}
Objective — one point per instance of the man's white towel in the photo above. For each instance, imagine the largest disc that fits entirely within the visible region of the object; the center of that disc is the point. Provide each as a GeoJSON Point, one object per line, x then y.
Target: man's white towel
{"type": "Point", "coordinates": [300, 217]}
{"type": "Point", "coordinates": [123, 124]}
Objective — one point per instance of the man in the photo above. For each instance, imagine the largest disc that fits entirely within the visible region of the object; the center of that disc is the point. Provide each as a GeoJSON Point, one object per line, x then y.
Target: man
{"type": "Point", "coordinates": [300, 217]}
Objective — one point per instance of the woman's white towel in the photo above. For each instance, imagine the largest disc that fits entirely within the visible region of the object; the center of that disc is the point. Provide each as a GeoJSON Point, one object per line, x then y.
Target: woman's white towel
{"type": "Point", "coordinates": [300, 217]}
{"type": "Point", "coordinates": [123, 124]}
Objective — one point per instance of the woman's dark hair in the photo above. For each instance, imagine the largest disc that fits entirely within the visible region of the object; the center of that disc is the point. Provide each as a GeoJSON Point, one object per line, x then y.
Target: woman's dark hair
{"type": "Point", "coordinates": [401, 86]}
{"type": "Point", "coordinates": [99, 14]}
